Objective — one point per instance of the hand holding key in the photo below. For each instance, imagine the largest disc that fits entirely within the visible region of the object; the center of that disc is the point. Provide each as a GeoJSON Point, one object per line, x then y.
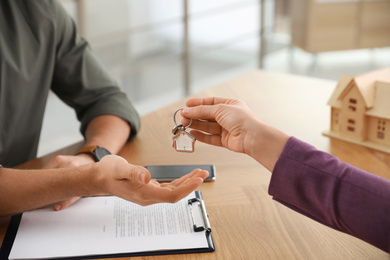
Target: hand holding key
{"type": "Point", "coordinates": [231, 124]}
{"type": "Point", "coordinates": [183, 141]}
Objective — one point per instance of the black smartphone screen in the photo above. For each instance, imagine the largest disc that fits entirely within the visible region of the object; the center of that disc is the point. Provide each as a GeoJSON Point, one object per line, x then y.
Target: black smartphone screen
{"type": "Point", "coordinates": [172, 172]}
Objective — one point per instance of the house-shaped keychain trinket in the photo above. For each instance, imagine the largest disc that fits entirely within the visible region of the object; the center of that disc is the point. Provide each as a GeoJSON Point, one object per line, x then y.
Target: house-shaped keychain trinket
{"type": "Point", "coordinates": [360, 110]}
{"type": "Point", "coordinates": [184, 142]}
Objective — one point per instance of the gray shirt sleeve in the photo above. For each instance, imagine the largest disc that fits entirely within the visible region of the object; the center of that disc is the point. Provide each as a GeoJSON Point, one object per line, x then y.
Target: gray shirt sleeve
{"type": "Point", "coordinates": [82, 82]}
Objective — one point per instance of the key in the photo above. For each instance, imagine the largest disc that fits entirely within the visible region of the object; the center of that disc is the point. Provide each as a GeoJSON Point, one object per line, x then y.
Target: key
{"type": "Point", "coordinates": [177, 128]}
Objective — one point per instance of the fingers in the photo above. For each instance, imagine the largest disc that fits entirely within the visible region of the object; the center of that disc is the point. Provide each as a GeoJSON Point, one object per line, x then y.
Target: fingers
{"type": "Point", "coordinates": [207, 109]}
{"type": "Point", "coordinates": [172, 192]}
{"type": "Point", "coordinates": [195, 173]}
{"type": "Point", "coordinates": [207, 138]}
{"type": "Point", "coordinates": [134, 184]}
{"type": "Point", "coordinates": [205, 131]}
{"type": "Point", "coordinates": [64, 204]}
{"type": "Point", "coordinates": [204, 126]}
{"type": "Point", "coordinates": [200, 112]}
{"type": "Point", "coordinates": [53, 163]}
{"type": "Point", "coordinates": [205, 101]}
{"type": "Point", "coordinates": [180, 188]}
{"type": "Point", "coordinates": [68, 161]}
{"type": "Point", "coordinates": [203, 108]}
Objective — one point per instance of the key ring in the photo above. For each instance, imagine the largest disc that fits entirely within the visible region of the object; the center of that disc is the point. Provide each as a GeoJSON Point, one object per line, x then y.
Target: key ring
{"type": "Point", "coordinates": [174, 118]}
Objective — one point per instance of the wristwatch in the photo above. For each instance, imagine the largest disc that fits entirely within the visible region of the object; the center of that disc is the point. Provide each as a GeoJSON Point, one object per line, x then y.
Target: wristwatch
{"type": "Point", "coordinates": [95, 151]}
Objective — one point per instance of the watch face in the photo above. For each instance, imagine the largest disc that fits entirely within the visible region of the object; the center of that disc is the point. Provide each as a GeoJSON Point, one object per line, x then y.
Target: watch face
{"type": "Point", "coordinates": [100, 152]}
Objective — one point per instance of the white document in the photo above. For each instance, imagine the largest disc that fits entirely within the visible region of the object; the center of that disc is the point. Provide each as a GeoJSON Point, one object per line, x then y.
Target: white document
{"type": "Point", "coordinates": [106, 225]}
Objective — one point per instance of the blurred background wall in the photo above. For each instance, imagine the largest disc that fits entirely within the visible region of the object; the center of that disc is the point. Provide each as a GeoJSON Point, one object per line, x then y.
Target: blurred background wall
{"type": "Point", "coordinates": [162, 50]}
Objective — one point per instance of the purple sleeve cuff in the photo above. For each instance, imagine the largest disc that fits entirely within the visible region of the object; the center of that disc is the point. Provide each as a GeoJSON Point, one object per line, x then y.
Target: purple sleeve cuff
{"type": "Point", "coordinates": [320, 186]}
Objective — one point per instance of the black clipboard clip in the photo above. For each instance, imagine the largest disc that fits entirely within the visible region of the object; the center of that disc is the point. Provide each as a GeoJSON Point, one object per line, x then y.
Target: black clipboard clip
{"type": "Point", "coordinates": [206, 224]}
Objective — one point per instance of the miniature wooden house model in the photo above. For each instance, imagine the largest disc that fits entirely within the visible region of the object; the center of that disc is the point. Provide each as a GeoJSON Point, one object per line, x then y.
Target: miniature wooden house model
{"type": "Point", "coordinates": [360, 110]}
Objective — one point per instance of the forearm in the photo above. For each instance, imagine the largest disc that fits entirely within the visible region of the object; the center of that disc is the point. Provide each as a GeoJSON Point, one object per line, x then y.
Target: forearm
{"type": "Point", "coordinates": [265, 144]}
{"type": "Point", "coordinates": [108, 131]}
{"type": "Point", "coordinates": [22, 190]}
{"type": "Point", "coordinates": [334, 193]}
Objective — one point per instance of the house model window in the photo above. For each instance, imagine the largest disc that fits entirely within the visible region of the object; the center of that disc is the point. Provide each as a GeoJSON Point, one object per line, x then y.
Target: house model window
{"type": "Point", "coordinates": [360, 109]}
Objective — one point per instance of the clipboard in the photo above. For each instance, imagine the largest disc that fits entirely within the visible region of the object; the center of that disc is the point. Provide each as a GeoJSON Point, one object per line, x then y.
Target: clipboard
{"type": "Point", "coordinates": [195, 205]}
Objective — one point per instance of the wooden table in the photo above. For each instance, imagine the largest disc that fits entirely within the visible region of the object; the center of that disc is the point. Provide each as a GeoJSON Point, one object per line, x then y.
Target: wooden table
{"type": "Point", "coordinates": [246, 222]}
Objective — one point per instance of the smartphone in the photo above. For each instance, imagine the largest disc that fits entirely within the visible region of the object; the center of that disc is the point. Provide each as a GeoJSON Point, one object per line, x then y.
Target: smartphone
{"type": "Point", "coordinates": [172, 172]}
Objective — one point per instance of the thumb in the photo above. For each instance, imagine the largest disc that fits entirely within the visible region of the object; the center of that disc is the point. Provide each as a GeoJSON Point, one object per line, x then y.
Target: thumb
{"type": "Point", "coordinates": [141, 174]}
{"type": "Point", "coordinates": [64, 204]}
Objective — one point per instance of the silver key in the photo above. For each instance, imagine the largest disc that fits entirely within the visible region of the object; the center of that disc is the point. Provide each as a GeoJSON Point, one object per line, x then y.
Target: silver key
{"type": "Point", "coordinates": [177, 128]}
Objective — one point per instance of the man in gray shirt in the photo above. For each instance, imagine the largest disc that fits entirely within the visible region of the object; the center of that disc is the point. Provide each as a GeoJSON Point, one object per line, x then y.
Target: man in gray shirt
{"type": "Point", "coordinates": [40, 51]}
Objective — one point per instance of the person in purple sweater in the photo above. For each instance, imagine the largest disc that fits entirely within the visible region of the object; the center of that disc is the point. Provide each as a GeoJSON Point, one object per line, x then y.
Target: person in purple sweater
{"type": "Point", "coordinates": [309, 181]}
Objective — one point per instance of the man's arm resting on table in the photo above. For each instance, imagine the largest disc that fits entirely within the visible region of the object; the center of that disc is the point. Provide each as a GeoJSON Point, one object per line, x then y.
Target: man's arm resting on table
{"type": "Point", "coordinates": [22, 190]}
{"type": "Point", "coordinates": [108, 131]}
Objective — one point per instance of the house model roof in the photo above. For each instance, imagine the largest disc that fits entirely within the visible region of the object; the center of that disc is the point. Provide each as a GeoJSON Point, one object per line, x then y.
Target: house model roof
{"type": "Point", "coordinates": [374, 87]}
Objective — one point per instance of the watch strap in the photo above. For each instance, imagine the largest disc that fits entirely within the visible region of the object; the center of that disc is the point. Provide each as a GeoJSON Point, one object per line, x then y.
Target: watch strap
{"type": "Point", "coordinates": [95, 151]}
{"type": "Point", "coordinates": [87, 149]}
